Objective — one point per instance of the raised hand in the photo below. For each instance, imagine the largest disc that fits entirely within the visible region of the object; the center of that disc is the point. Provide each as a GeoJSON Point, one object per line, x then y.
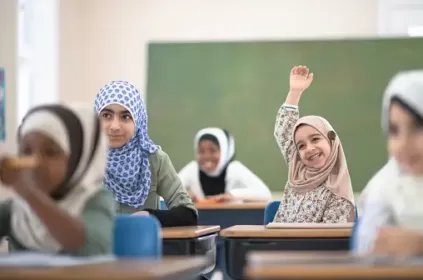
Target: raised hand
{"type": "Point", "coordinates": [300, 79]}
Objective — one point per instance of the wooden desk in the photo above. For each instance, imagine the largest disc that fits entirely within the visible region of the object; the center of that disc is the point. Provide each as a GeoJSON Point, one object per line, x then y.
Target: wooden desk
{"type": "Point", "coordinates": [167, 268]}
{"type": "Point", "coordinates": [312, 265]}
{"type": "Point", "coordinates": [191, 241]}
{"type": "Point", "coordinates": [188, 232]}
{"type": "Point", "coordinates": [229, 214]}
{"type": "Point", "coordinates": [241, 239]}
{"type": "Point", "coordinates": [243, 231]}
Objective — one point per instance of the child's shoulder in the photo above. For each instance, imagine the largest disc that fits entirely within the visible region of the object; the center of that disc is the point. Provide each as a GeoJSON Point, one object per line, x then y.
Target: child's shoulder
{"type": "Point", "coordinates": [158, 156]}
{"type": "Point", "coordinates": [101, 198]}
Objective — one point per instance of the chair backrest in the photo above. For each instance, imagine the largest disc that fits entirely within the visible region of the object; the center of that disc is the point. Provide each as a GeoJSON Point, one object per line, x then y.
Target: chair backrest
{"type": "Point", "coordinates": [163, 205]}
{"type": "Point", "coordinates": [137, 237]}
{"type": "Point", "coordinates": [353, 238]}
{"type": "Point", "coordinates": [270, 211]}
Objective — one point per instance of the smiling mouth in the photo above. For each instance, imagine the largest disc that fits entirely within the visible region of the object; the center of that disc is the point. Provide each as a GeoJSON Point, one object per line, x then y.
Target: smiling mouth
{"type": "Point", "coordinates": [115, 136]}
{"type": "Point", "coordinates": [314, 157]}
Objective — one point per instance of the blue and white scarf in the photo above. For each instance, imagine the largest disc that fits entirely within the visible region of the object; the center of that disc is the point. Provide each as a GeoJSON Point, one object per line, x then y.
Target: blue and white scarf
{"type": "Point", "coordinates": [128, 174]}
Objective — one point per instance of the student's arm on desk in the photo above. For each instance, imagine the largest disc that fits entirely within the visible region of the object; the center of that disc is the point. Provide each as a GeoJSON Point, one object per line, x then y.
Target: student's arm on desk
{"type": "Point", "coordinates": [5, 207]}
{"type": "Point", "coordinates": [181, 211]}
{"type": "Point", "coordinates": [188, 175]}
{"type": "Point", "coordinates": [244, 184]}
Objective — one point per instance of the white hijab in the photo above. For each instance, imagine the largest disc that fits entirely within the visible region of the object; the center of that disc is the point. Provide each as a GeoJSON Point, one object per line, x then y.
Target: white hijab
{"type": "Point", "coordinates": [226, 145]}
{"type": "Point", "coordinates": [401, 192]}
{"type": "Point", "coordinates": [85, 181]}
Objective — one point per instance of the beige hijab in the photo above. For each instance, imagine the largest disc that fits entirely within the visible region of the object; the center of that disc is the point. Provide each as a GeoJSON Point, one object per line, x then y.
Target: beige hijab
{"type": "Point", "coordinates": [334, 174]}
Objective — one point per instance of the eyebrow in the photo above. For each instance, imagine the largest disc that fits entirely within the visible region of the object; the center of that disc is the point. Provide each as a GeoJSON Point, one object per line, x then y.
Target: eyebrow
{"type": "Point", "coordinates": [315, 134]}
{"type": "Point", "coordinates": [113, 112]}
{"type": "Point", "coordinates": [310, 136]}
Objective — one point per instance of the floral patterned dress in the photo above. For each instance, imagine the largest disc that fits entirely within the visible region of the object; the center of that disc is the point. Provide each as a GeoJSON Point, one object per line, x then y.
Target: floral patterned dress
{"type": "Point", "coordinates": [319, 205]}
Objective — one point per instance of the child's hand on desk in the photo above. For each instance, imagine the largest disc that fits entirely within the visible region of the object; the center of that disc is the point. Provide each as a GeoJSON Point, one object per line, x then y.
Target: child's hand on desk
{"type": "Point", "coordinates": [141, 213]}
{"type": "Point", "coordinates": [221, 197]}
{"type": "Point", "coordinates": [193, 196]}
{"type": "Point", "coordinates": [394, 241]}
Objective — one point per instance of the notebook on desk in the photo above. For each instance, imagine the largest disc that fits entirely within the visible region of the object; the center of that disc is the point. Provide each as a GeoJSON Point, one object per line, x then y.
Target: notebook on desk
{"type": "Point", "coordinates": [310, 225]}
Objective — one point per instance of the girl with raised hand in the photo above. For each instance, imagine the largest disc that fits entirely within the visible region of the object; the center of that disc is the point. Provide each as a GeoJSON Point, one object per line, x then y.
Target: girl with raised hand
{"type": "Point", "coordinates": [319, 186]}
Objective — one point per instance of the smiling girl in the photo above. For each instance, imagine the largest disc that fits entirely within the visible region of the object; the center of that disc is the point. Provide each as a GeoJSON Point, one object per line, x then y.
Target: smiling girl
{"type": "Point", "coordinates": [216, 175]}
{"type": "Point", "coordinates": [319, 186]}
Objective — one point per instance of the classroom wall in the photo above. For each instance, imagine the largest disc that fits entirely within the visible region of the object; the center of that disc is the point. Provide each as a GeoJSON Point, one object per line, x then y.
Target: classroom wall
{"type": "Point", "coordinates": [8, 60]}
{"type": "Point", "coordinates": [8, 44]}
{"type": "Point", "coordinates": [103, 40]}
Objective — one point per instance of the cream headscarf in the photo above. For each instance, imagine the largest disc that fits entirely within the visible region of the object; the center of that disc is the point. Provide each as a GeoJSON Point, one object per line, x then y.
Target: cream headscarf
{"type": "Point", "coordinates": [226, 145]}
{"type": "Point", "coordinates": [334, 174]}
{"type": "Point", "coordinates": [77, 130]}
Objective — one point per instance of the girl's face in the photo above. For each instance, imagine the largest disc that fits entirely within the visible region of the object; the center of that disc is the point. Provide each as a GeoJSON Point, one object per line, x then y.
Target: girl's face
{"type": "Point", "coordinates": [53, 161]}
{"type": "Point", "coordinates": [405, 139]}
{"type": "Point", "coordinates": [118, 124]}
{"type": "Point", "coordinates": [208, 155]}
{"type": "Point", "coordinates": [314, 149]}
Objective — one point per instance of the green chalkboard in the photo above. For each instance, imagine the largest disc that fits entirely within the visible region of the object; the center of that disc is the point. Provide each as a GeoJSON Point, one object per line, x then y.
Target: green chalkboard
{"type": "Point", "coordinates": [240, 86]}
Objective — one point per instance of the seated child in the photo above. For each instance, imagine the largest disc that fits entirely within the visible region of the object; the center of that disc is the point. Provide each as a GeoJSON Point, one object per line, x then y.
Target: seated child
{"type": "Point", "coordinates": [319, 186]}
{"type": "Point", "coordinates": [59, 204]}
{"type": "Point", "coordinates": [216, 175]}
{"type": "Point", "coordinates": [138, 171]}
{"type": "Point", "coordinates": [392, 222]}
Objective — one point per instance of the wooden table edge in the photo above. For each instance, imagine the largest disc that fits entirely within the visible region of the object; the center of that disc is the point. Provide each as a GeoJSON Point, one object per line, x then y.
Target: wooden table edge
{"type": "Point", "coordinates": [185, 233]}
{"type": "Point", "coordinates": [259, 231]}
{"type": "Point", "coordinates": [47, 273]}
{"type": "Point", "coordinates": [297, 271]}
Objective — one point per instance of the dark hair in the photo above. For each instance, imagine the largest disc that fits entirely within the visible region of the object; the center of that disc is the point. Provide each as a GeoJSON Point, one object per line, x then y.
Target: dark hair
{"type": "Point", "coordinates": [418, 117]}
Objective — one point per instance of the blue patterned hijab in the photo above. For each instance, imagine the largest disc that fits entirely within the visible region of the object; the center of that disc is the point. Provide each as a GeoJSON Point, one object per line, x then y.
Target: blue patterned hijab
{"type": "Point", "coordinates": [128, 174]}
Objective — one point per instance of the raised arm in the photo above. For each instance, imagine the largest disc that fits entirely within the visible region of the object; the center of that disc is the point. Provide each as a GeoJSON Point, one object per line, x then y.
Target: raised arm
{"type": "Point", "coordinates": [299, 80]}
{"type": "Point", "coordinates": [284, 125]}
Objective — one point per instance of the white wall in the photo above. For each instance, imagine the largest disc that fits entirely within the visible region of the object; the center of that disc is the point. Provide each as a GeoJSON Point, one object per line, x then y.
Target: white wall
{"type": "Point", "coordinates": [8, 60]}
{"type": "Point", "coordinates": [103, 40]}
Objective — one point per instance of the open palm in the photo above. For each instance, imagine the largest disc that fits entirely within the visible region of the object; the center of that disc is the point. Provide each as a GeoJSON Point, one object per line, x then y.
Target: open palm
{"type": "Point", "coordinates": [300, 79]}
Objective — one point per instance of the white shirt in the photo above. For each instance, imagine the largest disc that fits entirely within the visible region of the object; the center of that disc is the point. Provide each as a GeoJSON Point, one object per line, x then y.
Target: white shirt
{"type": "Point", "coordinates": [241, 183]}
{"type": "Point", "coordinates": [389, 200]}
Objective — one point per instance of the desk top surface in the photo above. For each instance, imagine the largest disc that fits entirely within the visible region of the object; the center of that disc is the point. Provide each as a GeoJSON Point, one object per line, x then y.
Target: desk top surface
{"type": "Point", "coordinates": [188, 232]}
{"type": "Point", "coordinates": [241, 231]}
{"type": "Point", "coordinates": [229, 206]}
{"type": "Point", "coordinates": [122, 269]}
{"type": "Point", "coordinates": [262, 265]}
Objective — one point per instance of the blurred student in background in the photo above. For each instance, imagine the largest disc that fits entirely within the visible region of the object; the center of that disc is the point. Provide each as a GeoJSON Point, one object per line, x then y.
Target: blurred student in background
{"type": "Point", "coordinates": [319, 185]}
{"type": "Point", "coordinates": [392, 223]}
{"type": "Point", "coordinates": [59, 203]}
{"type": "Point", "coordinates": [216, 175]}
{"type": "Point", "coordinates": [138, 171]}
